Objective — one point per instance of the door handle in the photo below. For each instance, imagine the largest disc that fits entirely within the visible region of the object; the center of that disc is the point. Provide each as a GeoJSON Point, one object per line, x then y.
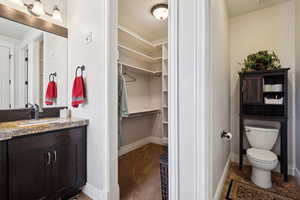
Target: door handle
{"type": "Point", "coordinates": [55, 156]}
{"type": "Point", "coordinates": [49, 158]}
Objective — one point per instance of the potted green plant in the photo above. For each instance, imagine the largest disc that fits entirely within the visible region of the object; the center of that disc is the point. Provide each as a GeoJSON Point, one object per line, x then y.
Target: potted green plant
{"type": "Point", "coordinates": [262, 60]}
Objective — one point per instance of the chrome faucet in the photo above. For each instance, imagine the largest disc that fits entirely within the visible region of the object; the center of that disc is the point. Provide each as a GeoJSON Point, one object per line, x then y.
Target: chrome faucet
{"type": "Point", "coordinates": [36, 110]}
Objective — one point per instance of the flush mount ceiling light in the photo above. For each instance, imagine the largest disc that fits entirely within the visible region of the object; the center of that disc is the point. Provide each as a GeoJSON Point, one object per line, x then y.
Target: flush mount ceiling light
{"type": "Point", "coordinates": [160, 11]}
{"type": "Point", "coordinates": [37, 9]}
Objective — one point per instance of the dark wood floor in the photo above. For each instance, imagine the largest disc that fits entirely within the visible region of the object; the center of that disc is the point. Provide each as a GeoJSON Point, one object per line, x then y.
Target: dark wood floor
{"type": "Point", "coordinates": [139, 173]}
{"type": "Point", "coordinates": [290, 189]}
{"type": "Point", "coordinates": [80, 196]}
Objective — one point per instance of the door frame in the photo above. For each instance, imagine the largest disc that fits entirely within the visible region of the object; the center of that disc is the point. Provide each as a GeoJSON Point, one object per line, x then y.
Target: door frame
{"type": "Point", "coordinates": [10, 46]}
{"type": "Point", "coordinates": [199, 185]}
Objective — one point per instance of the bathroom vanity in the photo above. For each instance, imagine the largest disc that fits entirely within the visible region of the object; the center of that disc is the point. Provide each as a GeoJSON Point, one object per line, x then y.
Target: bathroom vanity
{"type": "Point", "coordinates": [44, 159]}
{"type": "Point", "coordinates": [39, 159]}
{"type": "Point", "coordinates": [264, 96]}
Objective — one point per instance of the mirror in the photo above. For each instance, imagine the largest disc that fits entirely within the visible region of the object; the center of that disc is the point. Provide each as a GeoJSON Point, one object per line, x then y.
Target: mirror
{"type": "Point", "coordinates": [27, 58]}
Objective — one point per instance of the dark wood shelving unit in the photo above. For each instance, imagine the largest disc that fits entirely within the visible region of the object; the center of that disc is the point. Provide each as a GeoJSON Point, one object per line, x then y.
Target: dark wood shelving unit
{"type": "Point", "coordinates": [252, 106]}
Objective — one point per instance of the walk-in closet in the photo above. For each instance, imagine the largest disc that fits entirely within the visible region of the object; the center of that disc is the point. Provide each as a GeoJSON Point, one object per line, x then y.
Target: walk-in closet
{"type": "Point", "coordinates": [143, 99]}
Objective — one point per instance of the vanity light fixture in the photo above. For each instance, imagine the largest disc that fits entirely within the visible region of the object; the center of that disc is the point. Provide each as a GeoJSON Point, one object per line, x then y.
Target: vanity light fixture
{"type": "Point", "coordinates": [37, 9]}
{"type": "Point", "coordinates": [160, 11]}
{"type": "Point", "coordinates": [18, 2]}
{"type": "Point", "coordinates": [57, 14]}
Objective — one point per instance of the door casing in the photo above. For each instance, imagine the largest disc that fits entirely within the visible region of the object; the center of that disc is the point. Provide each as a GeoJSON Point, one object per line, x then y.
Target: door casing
{"type": "Point", "coordinates": [200, 120]}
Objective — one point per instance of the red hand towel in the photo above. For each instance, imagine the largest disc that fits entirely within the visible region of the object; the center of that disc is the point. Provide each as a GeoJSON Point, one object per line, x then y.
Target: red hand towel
{"type": "Point", "coordinates": [78, 92]}
{"type": "Point", "coordinates": [51, 93]}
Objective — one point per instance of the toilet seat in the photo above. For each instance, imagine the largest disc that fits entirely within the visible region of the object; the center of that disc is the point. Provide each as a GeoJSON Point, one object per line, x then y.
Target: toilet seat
{"type": "Point", "coordinates": [262, 156]}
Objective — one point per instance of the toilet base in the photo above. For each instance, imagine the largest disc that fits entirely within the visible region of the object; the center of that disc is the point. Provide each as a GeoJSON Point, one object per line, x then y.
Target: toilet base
{"type": "Point", "coordinates": [261, 178]}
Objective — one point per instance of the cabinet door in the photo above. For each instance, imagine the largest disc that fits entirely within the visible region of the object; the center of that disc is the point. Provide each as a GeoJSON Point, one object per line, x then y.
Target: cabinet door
{"type": "Point", "coordinates": [68, 161]}
{"type": "Point", "coordinates": [252, 90]}
{"type": "Point", "coordinates": [3, 171]}
{"type": "Point", "coordinates": [29, 161]}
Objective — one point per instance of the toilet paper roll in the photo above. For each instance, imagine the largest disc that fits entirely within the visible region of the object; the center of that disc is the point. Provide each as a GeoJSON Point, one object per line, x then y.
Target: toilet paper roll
{"type": "Point", "coordinates": [228, 137]}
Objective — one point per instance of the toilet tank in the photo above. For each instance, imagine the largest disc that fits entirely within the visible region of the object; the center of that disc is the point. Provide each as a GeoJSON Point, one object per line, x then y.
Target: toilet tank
{"type": "Point", "coordinates": [261, 137]}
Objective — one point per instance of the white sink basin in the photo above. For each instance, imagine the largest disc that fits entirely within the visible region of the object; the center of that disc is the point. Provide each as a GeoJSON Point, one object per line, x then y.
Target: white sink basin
{"type": "Point", "coordinates": [39, 122]}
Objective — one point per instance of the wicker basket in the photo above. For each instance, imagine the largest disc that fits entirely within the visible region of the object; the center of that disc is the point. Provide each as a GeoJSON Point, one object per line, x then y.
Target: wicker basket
{"type": "Point", "coordinates": [164, 176]}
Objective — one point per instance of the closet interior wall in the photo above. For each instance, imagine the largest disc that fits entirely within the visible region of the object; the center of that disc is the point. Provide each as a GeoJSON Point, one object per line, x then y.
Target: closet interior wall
{"type": "Point", "coordinates": [143, 62]}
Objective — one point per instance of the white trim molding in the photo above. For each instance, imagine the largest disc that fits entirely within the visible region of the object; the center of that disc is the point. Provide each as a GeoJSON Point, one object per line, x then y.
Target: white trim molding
{"type": "Point", "coordinates": [94, 193]}
{"type": "Point", "coordinates": [189, 121]}
{"type": "Point", "coordinates": [173, 112]}
{"type": "Point", "coordinates": [219, 190]}
{"type": "Point", "coordinates": [297, 176]}
{"type": "Point", "coordinates": [111, 100]}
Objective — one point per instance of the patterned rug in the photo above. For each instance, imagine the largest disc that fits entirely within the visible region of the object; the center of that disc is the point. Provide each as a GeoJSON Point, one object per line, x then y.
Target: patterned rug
{"type": "Point", "coordinates": [242, 191]}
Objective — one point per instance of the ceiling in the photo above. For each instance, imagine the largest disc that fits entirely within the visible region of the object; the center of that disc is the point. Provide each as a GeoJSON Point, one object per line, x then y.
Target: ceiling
{"type": "Point", "coordinates": [136, 16]}
{"type": "Point", "coordinates": [12, 29]}
{"type": "Point", "coordinates": [240, 7]}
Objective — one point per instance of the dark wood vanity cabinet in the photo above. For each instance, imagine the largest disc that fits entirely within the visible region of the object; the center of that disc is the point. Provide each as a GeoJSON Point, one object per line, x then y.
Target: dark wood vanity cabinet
{"type": "Point", "coordinates": [47, 166]}
{"type": "Point", "coordinates": [3, 170]}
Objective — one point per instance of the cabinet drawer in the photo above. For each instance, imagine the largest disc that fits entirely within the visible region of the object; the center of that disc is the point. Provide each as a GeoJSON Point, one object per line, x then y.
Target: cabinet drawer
{"type": "Point", "coordinates": [43, 140]}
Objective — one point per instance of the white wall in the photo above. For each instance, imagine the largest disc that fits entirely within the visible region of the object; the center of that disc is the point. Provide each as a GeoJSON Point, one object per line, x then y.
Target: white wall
{"type": "Point", "coordinates": [143, 94]}
{"type": "Point", "coordinates": [272, 29]}
{"type": "Point", "coordinates": [55, 60]}
{"type": "Point", "coordinates": [220, 90]}
{"type": "Point", "coordinates": [297, 72]}
{"type": "Point", "coordinates": [86, 17]}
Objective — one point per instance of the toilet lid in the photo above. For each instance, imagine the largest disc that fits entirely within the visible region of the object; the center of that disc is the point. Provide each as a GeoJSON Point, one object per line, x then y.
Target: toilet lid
{"type": "Point", "coordinates": [261, 155]}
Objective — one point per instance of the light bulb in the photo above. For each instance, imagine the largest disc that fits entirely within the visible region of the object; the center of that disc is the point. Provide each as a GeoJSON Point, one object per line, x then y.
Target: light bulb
{"type": "Point", "coordinates": [18, 2]}
{"type": "Point", "coordinates": [38, 8]}
{"type": "Point", "coordinates": [57, 14]}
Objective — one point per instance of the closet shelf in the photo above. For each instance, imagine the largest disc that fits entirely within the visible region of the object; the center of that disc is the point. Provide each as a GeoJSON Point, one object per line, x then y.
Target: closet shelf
{"type": "Point", "coordinates": [143, 113]}
{"type": "Point", "coordinates": [140, 69]}
{"type": "Point", "coordinates": [140, 54]}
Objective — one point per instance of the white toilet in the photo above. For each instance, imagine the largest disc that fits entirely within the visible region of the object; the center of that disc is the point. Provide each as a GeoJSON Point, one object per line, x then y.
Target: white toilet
{"type": "Point", "coordinates": [259, 155]}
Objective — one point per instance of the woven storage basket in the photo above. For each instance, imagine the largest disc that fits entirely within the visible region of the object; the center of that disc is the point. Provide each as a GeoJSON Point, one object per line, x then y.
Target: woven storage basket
{"type": "Point", "coordinates": [164, 176]}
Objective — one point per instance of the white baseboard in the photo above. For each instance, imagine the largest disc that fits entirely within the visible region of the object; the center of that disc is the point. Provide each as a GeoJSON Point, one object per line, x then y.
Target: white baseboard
{"type": "Point", "coordinates": [220, 187]}
{"type": "Point", "coordinates": [235, 158]}
{"type": "Point", "coordinates": [94, 193]}
{"type": "Point", "coordinates": [297, 175]}
{"type": "Point", "coordinates": [138, 144]}
{"type": "Point", "coordinates": [158, 140]}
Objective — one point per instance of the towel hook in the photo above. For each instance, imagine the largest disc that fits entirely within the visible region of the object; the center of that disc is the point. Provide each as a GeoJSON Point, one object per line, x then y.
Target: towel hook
{"type": "Point", "coordinates": [52, 75]}
{"type": "Point", "coordinates": [81, 68]}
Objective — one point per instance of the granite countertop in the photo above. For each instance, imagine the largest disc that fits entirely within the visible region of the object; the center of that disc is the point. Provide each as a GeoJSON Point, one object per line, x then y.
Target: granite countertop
{"type": "Point", "coordinates": [9, 130]}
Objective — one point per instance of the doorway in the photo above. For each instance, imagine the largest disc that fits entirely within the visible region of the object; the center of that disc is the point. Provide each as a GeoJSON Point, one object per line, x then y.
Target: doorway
{"type": "Point", "coordinates": [188, 37]}
{"type": "Point", "coordinates": [143, 99]}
